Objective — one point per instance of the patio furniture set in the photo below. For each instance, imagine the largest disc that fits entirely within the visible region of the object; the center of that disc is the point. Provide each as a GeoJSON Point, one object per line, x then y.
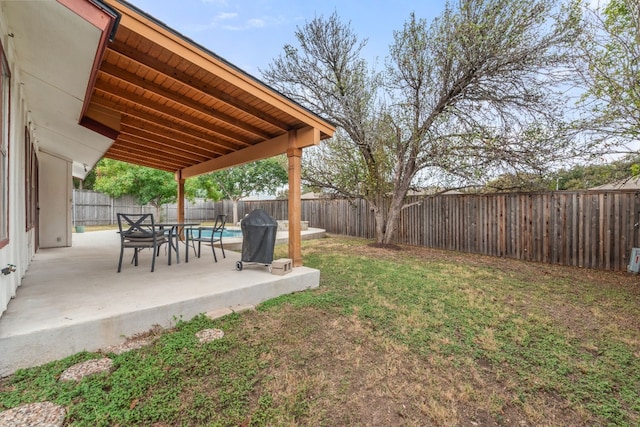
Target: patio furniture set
{"type": "Point", "coordinates": [140, 231]}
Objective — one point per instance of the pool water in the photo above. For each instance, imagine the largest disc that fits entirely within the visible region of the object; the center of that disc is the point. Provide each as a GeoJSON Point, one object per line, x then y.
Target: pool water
{"type": "Point", "coordinates": [225, 233]}
{"type": "Point", "coordinates": [231, 233]}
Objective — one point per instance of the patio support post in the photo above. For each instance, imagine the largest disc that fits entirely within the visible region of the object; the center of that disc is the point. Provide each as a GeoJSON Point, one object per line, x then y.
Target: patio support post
{"type": "Point", "coordinates": [180, 181]}
{"type": "Point", "coordinates": [294, 155]}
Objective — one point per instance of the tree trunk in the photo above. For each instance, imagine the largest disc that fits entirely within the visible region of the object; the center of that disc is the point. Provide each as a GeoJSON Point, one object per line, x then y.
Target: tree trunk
{"type": "Point", "coordinates": [158, 217]}
{"type": "Point", "coordinates": [235, 212]}
{"type": "Point", "coordinates": [387, 222]}
{"type": "Point", "coordinates": [393, 216]}
{"type": "Point", "coordinates": [380, 223]}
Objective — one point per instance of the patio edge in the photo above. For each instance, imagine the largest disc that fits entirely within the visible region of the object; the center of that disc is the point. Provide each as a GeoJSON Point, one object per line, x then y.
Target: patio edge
{"type": "Point", "coordinates": [48, 344]}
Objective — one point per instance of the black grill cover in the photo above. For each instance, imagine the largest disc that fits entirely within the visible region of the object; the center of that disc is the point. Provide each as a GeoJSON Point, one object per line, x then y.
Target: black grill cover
{"type": "Point", "coordinates": [258, 237]}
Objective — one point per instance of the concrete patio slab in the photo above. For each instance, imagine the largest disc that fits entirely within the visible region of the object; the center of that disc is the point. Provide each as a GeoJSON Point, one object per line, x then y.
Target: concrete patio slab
{"type": "Point", "coordinates": [72, 299]}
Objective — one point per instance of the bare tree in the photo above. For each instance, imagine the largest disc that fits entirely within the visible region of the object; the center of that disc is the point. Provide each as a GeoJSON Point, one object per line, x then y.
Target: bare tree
{"type": "Point", "coordinates": [610, 70]}
{"type": "Point", "coordinates": [469, 96]}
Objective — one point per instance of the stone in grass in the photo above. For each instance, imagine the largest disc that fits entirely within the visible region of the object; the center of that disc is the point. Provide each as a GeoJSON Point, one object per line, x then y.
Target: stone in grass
{"type": "Point", "coordinates": [41, 414]}
{"type": "Point", "coordinates": [132, 344]}
{"type": "Point", "coordinates": [207, 335]}
{"type": "Point", "coordinates": [84, 369]}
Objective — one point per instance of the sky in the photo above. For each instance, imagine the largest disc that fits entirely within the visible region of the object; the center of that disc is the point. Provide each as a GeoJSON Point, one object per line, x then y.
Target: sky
{"type": "Point", "coordinates": [251, 33]}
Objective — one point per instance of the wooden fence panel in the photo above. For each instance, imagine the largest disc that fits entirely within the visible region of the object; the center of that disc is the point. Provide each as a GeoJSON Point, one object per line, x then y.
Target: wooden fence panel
{"type": "Point", "coordinates": [584, 229]}
{"type": "Point", "coordinates": [91, 207]}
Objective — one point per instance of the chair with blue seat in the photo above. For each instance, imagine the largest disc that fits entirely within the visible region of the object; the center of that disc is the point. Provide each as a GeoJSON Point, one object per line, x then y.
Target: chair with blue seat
{"type": "Point", "coordinates": [138, 231]}
{"type": "Point", "coordinates": [207, 235]}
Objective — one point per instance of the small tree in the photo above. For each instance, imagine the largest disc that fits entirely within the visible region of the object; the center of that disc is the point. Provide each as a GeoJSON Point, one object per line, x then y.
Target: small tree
{"type": "Point", "coordinates": [263, 176]}
{"type": "Point", "coordinates": [610, 70]}
{"type": "Point", "coordinates": [202, 186]}
{"type": "Point", "coordinates": [148, 186]}
{"type": "Point", "coordinates": [87, 183]}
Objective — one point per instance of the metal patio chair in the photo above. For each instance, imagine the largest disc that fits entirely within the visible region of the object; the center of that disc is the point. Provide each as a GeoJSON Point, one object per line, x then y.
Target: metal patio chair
{"type": "Point", "coordinates": [138, 231]}
{"type": "Point", "coordinates": [207, 235]}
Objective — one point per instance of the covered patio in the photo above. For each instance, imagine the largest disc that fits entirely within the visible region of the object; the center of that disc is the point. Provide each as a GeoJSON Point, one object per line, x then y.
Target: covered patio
{"type": "Point", "coordinates": [101, 78]}
{"type": "Point", "coordinates": [72, 299]}
{"type": "Point", "coordinates": [105, 79]}
{"type": "Point", "coordinates": [171, 104]}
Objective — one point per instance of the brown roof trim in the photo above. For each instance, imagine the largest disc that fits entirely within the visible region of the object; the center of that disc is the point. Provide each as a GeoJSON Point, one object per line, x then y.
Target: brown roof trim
{"type": "Point", "coordinates": [219, 58]}
{"type": "Point", "coordinates": [110, 11]}
{"type": "Point", "coordinates": [106, 19]}
{"type": "Point", "coordinates": [97, 127]}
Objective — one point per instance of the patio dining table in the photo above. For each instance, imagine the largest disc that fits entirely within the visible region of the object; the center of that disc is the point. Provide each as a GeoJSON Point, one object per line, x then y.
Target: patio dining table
{"type": "Point", "coordinates": [174, 232]}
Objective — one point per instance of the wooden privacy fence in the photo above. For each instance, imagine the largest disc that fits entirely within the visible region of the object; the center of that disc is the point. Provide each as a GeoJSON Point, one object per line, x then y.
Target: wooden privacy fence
{"type": "Point", "coordinates": [592, 229]}
{"type": "Point", "coordinates": [92, 208]}
{"type": "Point", "coordinates": [584, 229]}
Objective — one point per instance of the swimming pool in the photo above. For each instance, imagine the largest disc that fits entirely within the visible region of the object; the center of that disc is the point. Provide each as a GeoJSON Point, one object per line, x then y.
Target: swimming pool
{"type": "Point", "coordinates": [231, 233]}
{"type": "Point", "coordinates": [226, 233]}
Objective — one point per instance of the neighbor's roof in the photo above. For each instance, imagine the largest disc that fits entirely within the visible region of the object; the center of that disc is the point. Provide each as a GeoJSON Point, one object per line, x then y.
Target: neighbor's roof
{"type": "Point", "coordinates": [623, 184]}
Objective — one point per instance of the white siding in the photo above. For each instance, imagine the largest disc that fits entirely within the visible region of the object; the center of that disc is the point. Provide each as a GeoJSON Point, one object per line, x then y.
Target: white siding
{"type": "Point", "coordinates": [20, 249]}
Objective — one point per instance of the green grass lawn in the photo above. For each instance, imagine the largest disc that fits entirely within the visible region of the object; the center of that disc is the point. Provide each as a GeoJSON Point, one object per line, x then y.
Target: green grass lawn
{"type": "Point", "coordinates": [408, 337]}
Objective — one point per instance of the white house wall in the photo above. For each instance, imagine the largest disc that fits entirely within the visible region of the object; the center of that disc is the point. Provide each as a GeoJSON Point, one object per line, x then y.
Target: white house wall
{"type": "Point", "coordinates": [56, 49]}
{"type": "Point", "coordinates": [21, 248]}
{"type": "Point", "coordinates": [51, 50]}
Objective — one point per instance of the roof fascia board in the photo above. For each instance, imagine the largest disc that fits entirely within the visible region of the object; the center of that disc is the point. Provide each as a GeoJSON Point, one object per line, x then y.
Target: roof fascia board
{"type": "Point", "coordinates": [106, 20]}
{"type": "Point", "coordinates": [156, 31]}
{"type": "Point", "coordinates": [305, 137]}
{"type": "Point", "coordinates": [270, 148]}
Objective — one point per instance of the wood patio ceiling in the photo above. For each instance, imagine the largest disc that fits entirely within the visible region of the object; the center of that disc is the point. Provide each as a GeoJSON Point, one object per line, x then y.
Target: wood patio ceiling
{"type": "Point", "coordinates": [169, 104]}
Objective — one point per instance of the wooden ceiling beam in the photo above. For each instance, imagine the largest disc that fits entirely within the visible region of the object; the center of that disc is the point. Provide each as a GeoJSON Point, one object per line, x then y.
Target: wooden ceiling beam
{"type": "Point", "coordinates": [158, 35]}
{"type": "Point", "coordinates": [125, 148]}
{"type": "Point", "coordinates": [153, 145]}
{"type": "Point", "coordinates": [167, 110]}
{"type": "Point", "coordinates": [181, 108]}
{"type": "Point", "coordinates": [142, 83]}
{"type": "Point", "coordinates": [124, 155]}
{"type": "Point", "coordinates": [170, 123]}
{"type": "Point", "coordinates": [189, 142]}
{"type": "Point", "coordinates": [264, 150]}
{"type": "Point", "coordinates": [125, 51]}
